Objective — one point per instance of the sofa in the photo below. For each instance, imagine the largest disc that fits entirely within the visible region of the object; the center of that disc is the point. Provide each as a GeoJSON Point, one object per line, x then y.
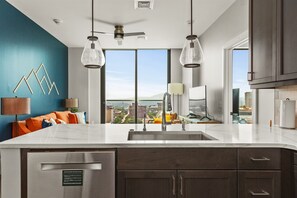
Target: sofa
{"type": "Point", "coordinates": [36, 123]}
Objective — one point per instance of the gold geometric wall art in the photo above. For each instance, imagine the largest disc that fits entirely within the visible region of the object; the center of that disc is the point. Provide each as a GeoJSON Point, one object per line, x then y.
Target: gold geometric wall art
{"type": "Point", "coordinates": [45, 78]}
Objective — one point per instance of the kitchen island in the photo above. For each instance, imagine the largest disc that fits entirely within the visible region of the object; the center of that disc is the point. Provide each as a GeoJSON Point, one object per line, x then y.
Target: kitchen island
{"type": "Point", "coordinates": [238, 153]}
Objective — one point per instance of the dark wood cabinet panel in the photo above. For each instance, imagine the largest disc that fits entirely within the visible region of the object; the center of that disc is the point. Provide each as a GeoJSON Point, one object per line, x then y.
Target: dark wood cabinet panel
{"type": "Point", "coordinates": [287, 39]}
{"type": "Point", "coordinates": [166, 158]}
{"type": "Point", "coordinates": [259, 184]}
{"type": "Point", "coordinates": [146, 184]}
{"type": "Point", "coordinates": [259, 159]}
{"type": "Point", "coordinates": [295, 181]}
{"type": "Point", "coordinates": [263, 41]}
{"type": "Point", "coordinates": [207, 184]}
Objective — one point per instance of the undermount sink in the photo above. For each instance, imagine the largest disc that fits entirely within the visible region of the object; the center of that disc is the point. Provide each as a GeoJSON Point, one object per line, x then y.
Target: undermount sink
{"type": "Point", "coordinates": [169, 135]}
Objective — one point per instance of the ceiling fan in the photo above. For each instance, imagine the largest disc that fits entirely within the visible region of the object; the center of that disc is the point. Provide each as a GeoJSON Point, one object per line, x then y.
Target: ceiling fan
{"type": "Point", "coordinates": [119, 33]}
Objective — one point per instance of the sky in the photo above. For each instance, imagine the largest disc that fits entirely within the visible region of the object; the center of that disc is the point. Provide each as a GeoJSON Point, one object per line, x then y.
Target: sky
{"type": "Point", "coordinates": [120, 73]}
{"type": "Point", "coordinates": [240, 70]}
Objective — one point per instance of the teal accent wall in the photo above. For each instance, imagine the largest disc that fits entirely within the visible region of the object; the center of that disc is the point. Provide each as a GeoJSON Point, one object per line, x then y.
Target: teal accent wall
{"type": "Point", "coordinates": [24, 45]}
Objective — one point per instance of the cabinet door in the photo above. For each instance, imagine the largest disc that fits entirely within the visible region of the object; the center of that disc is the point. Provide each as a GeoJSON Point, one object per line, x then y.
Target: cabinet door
{"type": "Point", "coordinates": [259, 184]}
{"type": "Point", "coordinates": [263, 41]}
{"type": "Point", "coordinates": [287, 39]}
{"type": "Point", "coordinates": [146, 184]}
{"type": "Point", "coordinates": [295, 181]}
{"type": "Point", "coordinates": [207, 184]}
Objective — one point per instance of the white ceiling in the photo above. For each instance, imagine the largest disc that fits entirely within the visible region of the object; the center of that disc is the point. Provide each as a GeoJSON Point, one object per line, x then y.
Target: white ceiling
{"type": "Point", "coordinates": [166, 26]}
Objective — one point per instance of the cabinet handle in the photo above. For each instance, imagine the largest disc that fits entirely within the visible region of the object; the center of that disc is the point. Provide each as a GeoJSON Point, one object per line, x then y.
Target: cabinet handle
{"type": "Point", "coordinates": [181, 185]}
{"type": "Point", "coordinates": [173, 185]}
{"type": "Point", "coordinates": [250, 76]}
{"type": "Point", "coordinates": [71, 166]}
{"type": "Point", "coordinates": [263, 193]}
{"type": "Point", "coordinates": [259, 159]}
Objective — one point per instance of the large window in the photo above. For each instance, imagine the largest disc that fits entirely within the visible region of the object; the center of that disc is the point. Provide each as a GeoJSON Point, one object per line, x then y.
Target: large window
{"type": "Point", "coordinates": [134, 82]}
{"type": "Point", "coordinates": [242, 94]}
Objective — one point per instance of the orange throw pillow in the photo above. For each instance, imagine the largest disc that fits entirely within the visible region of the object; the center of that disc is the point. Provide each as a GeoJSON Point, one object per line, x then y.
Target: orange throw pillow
{"type": "Point", "coordinates": [63, 115]}
{"type": "Point", "coordinates": [49, 116]}
{"type": "Point", "coordinates": [72, 118]}
{"type": "Point", "coordinates": [34, 124]}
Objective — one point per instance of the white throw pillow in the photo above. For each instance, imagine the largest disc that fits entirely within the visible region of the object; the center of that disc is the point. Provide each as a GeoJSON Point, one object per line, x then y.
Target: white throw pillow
{"type": "Point", "coordinates": [62, 121]}
{"type": "Point", "coordinates": [53, 121]}
{"type": "Point", "coordinates": [81, 117]}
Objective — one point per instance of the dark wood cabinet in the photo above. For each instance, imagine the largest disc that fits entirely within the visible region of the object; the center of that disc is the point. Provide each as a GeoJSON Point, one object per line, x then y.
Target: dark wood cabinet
{"type": "Point", "coordinates": [287, 39]}
{"type": "Point", "coordinates": [295, 175]}
{"type": "Point", "coordinates": [259, 184]}
{"type": "Point", "coordinates": [273, 43]}
{"type": "Point", "coordinates": [181, 173]}
{"type": "Point", "coordinates": [259, 159]}
{"type": "Point", "coordinates": [147, 184]}
{"type": "Point", "coordinates": [295, 181]}
{"type": "Point", "coordinates": [207, 184]}
{"type": "Point", "coordinates": [171, 184]}
{"type": "Point", "coordinates": [262, 41]}
{"type": "Point", "coordinates": [204, 173]}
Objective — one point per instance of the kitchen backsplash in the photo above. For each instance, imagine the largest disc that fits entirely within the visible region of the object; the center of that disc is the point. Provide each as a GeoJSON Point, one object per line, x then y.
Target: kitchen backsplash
{"type": "Point", "coordinates": [282, 94]}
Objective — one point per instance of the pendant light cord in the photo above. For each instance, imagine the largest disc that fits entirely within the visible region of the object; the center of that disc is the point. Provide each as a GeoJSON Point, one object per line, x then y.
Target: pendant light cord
{"type": "Point", "coordinates": [191, 17]}
{"type": "Point", "coordinates": [92, 18]}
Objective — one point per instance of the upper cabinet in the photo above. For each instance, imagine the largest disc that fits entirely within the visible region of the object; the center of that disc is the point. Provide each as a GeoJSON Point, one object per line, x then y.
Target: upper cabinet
{"type": "Point", "coordinates": [262, 41]}
{"type": "Point", "coordinates": [287, 39]}
{"type": "Point", "coordinates": [273, 43]}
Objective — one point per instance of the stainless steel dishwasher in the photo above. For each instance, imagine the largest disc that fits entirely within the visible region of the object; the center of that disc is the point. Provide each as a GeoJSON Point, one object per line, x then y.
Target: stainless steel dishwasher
{"type": "Point", "coordinates": [71, 174]}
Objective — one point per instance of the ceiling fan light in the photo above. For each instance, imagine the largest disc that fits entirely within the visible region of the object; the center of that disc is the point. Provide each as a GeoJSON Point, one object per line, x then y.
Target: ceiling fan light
{"type": "Point", "coordinates": [93, 56]}
{"type": "Point", "coordinates": [192, 53]}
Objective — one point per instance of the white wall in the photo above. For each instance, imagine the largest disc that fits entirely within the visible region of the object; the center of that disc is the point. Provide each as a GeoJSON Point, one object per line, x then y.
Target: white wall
{"type": "Point", "coordinates": [265, 106]}
{"type": "Point", "coordinates": [230, 25]}
{"type": "Point", "coordinates": [77, 79]}
{"type": "Point", "coordinates": [84, 84]}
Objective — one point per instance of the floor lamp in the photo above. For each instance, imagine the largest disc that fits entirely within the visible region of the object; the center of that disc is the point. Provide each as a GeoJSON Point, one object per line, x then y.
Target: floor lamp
{"type": "Point", "coordinates": [15, 106]}
{"type": "Point", "coordinates": [176, 89]}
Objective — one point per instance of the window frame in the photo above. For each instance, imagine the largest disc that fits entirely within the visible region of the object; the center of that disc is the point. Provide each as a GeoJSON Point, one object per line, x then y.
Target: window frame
{"type": "Point", "coordinates": [103, 80]}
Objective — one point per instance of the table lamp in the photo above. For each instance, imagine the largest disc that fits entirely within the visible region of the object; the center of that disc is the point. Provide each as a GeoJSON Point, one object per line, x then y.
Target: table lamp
{"type": "Point", "coordinates": [176, 89]}
{"type": "Point", "coordinates": [15, 106]}
{"type": "Point", "coordinates": [72, 104]}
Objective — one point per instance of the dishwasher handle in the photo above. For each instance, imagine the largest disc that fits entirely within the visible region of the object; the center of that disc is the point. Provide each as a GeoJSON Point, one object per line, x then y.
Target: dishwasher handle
{"type": "Point", "coordinates": [71, 166]}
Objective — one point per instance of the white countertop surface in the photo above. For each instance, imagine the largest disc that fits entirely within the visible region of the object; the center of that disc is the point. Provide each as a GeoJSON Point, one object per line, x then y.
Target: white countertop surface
{"type": "Point", "coordinates": [115, 136]}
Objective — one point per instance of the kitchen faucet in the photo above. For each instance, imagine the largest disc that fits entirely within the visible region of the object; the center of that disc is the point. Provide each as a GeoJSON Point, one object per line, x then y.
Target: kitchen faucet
{"type": "Point", "coordinates": [144, 123]}
{"type": "Point", "coordinates": [169, 108]}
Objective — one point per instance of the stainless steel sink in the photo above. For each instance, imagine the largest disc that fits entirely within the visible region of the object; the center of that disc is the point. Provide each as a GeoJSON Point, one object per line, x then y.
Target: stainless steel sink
{"type": "Point", "coordinates": [169, 135]}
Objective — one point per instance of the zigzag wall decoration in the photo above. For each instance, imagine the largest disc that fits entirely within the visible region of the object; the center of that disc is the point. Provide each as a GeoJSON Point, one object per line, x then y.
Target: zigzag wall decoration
{"type": "Point", "coordinates": [50, 85]}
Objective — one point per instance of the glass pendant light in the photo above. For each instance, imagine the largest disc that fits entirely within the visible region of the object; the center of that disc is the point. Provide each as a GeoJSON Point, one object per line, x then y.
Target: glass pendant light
{"type": "Point", "coordinates": [192, 53]}
{"type": "Point", "coordinates": [93, 56]}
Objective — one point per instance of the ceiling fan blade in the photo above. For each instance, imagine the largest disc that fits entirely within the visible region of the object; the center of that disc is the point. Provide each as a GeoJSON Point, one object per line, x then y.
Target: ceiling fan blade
{"type": "Point", "coordinates": [134, 34]}
{"type": "Point", "coordinates": [105, 22]}
{"type": "Point", "coordinates": [120, 42]}
{"type": "Point", "coordinates": [133, 22]}
{"type": "Point", "coordinates": [105, 33]}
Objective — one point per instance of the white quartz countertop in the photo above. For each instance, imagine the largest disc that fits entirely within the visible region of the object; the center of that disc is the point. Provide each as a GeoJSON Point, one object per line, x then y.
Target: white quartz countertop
{"type": "Point", "coordinates": [115, 136]}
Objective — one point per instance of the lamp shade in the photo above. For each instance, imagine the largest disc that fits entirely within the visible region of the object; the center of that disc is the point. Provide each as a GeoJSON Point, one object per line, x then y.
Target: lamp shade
{"type": "Point", "coordinates": [192, 54]}
{"type": "Point", "coordinates": [15, 106]}
{"type": "Point", "coordinates": [71, 103]}
{"type": "Point", "coordinates": [93, 56]}
{"type": "Point", "coordinates": [176, 88]}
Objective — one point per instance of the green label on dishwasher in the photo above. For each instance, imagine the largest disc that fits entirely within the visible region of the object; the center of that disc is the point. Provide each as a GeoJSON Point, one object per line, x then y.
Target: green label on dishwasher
{"type": "Point", "coordinates": [72, 178]}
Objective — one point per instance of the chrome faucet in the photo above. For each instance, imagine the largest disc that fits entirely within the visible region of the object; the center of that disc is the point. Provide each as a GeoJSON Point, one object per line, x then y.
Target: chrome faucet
{"type": "Point", "coordinates": [169, 108]}
{"type": "Point", "coordinates": [144, 123]}
{"type": "Point", "coordinates": [183, 125]}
